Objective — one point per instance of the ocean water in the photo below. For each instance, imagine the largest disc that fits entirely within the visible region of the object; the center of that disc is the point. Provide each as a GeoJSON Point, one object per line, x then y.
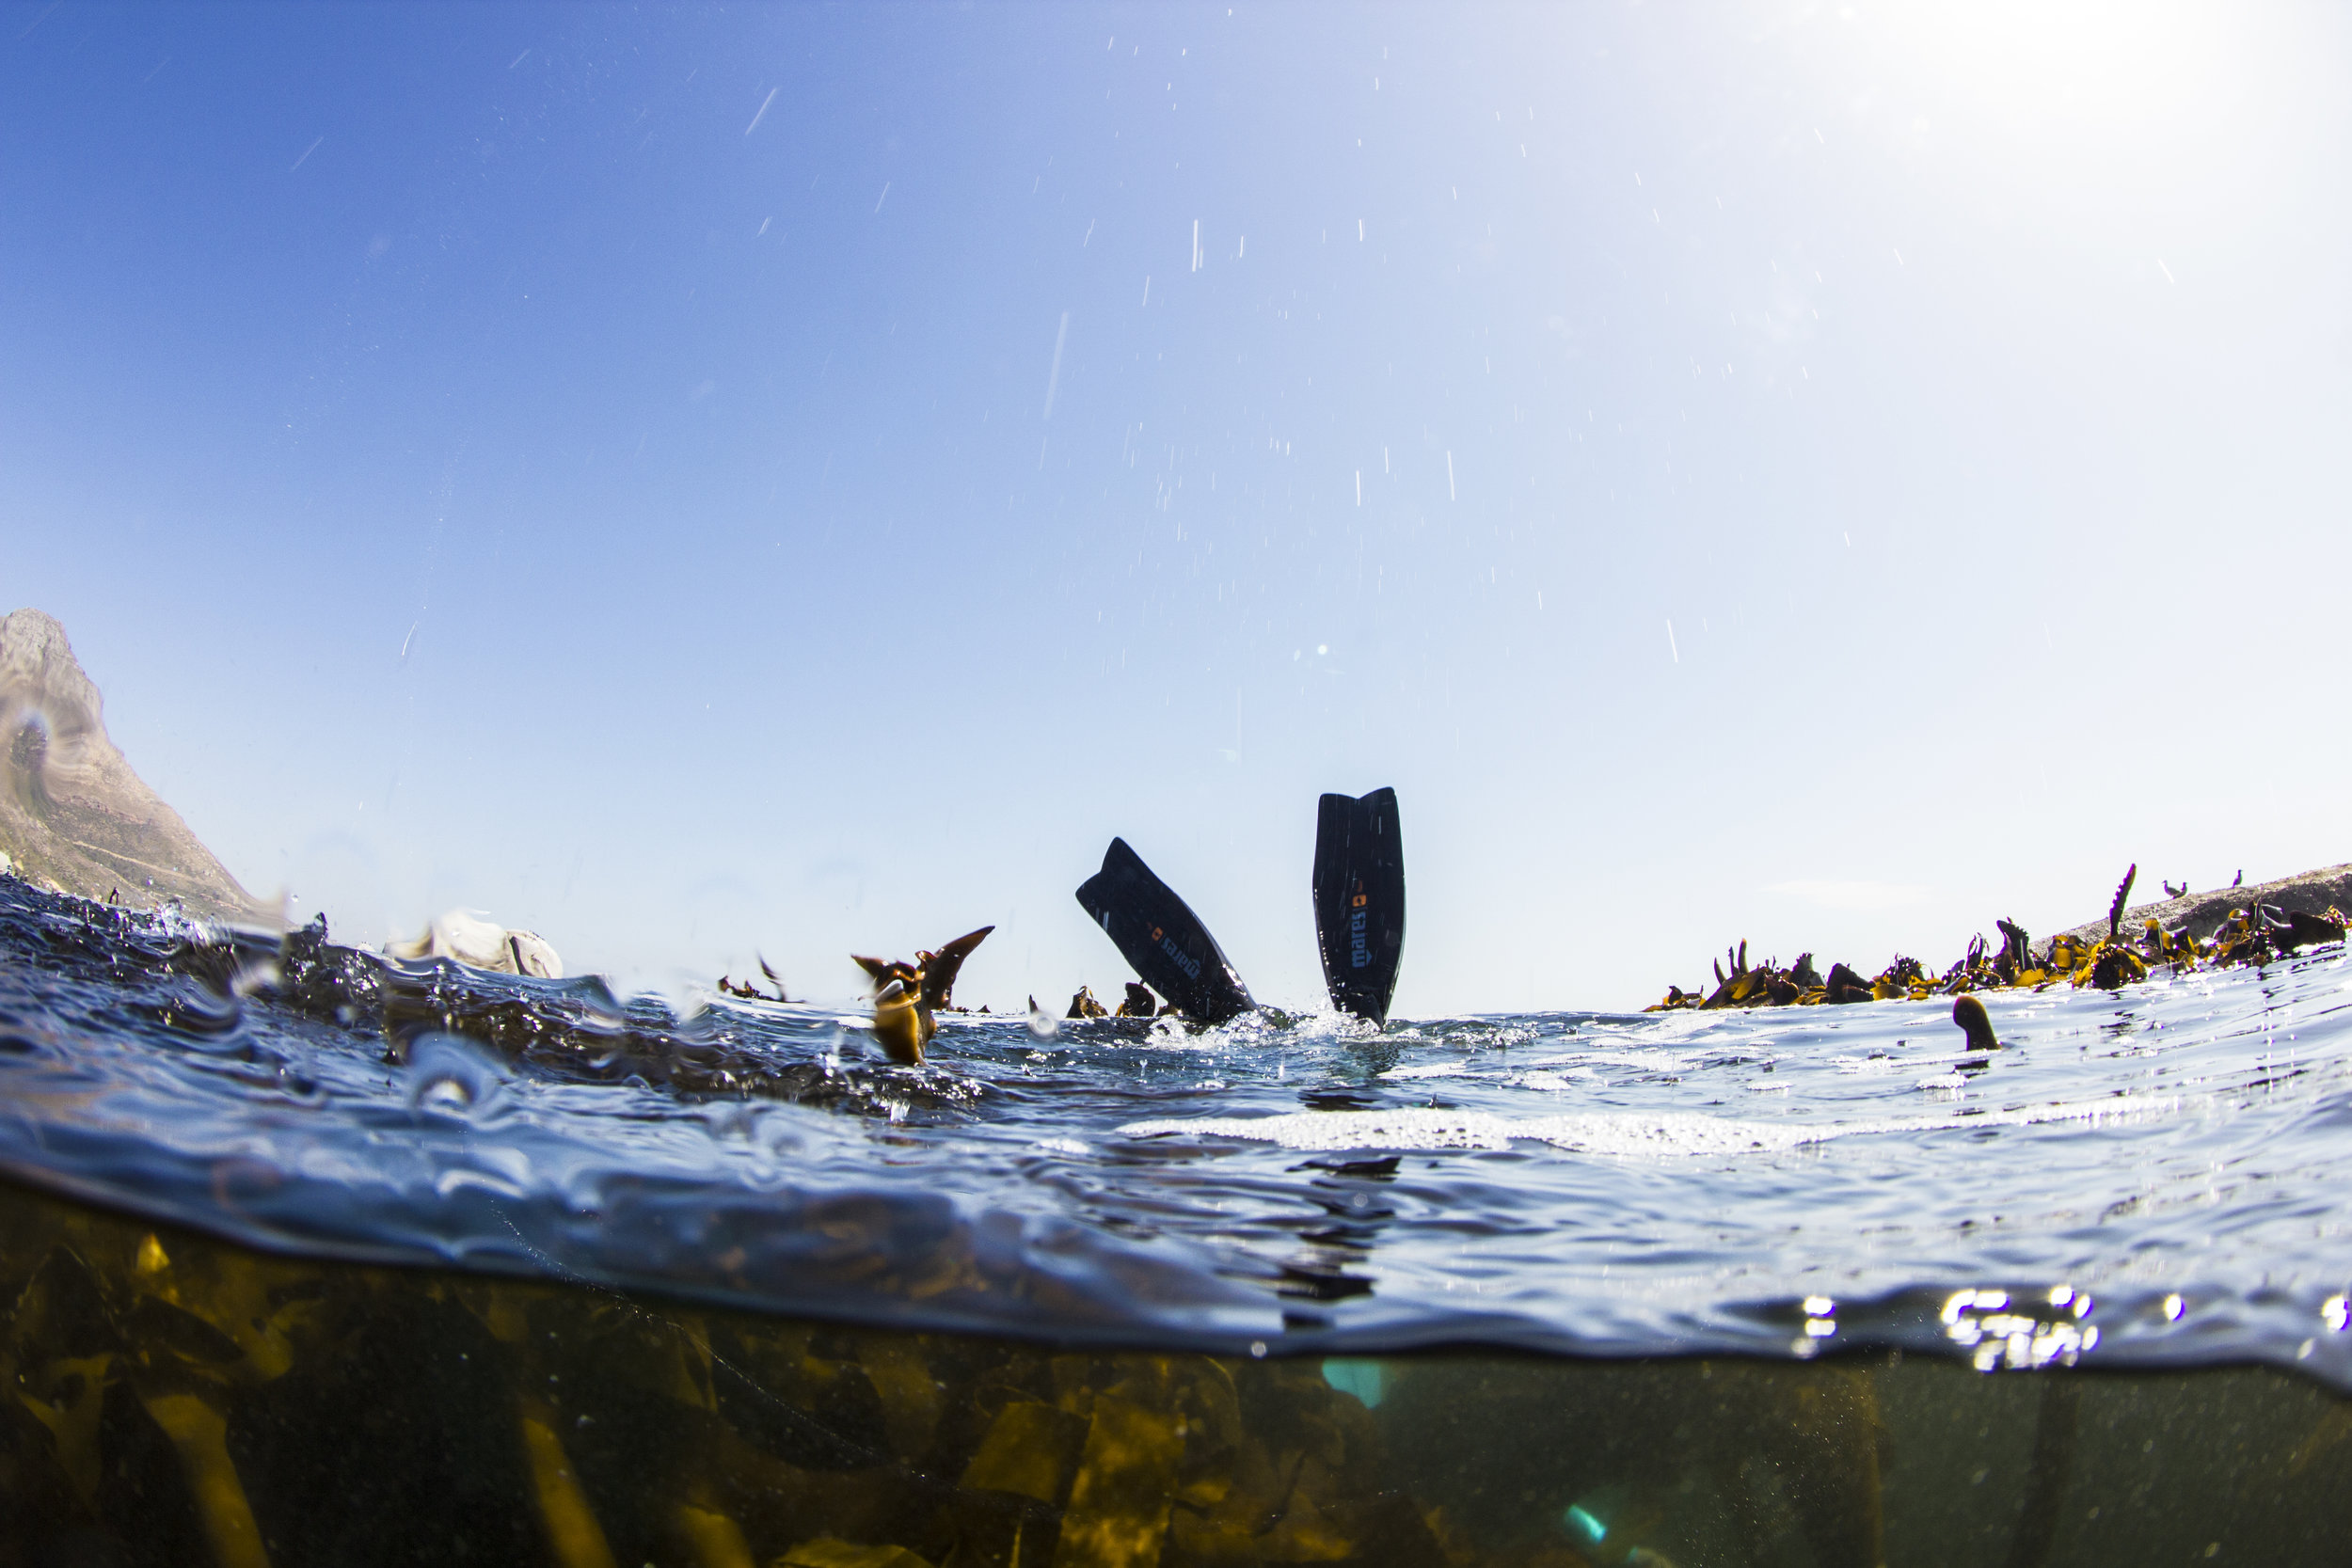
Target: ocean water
{"type": "Point", "coordinates": [1686, 1272]}
{"type": "Point", "coordinates": [2151, 1176]}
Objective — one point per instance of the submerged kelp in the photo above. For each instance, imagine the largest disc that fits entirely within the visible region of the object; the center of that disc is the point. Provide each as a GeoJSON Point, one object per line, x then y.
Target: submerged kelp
{"type": "Point", "coordinates": [179, 1399]}
{"type": "Point", "coordinates": [193, 1401]}
{"type": "Point", "coordinates": [2257, 933]}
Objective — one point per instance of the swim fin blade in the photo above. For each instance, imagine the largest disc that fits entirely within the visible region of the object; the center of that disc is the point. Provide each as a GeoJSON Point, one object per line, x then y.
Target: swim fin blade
{"type": "Point", "coordinates": [1360, 900]}
{"type": "Point", "coordinates": [1162, 939]}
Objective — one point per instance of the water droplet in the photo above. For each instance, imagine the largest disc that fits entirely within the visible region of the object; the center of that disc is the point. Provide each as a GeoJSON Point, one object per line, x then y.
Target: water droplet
{"type": "Point", "coordinates": [451, 1076]}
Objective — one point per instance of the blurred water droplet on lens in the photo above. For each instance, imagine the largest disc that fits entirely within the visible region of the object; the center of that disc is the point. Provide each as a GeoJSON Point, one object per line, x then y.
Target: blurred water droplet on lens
{"type": "Point", "coordinates": [595, 997]}
{"type": "Point", "coordinates": [451, 1076]}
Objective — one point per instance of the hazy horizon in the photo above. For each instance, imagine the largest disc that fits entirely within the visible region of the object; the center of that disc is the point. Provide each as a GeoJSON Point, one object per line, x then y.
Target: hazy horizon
{"type": "Point", "coordinates": [794, 481]}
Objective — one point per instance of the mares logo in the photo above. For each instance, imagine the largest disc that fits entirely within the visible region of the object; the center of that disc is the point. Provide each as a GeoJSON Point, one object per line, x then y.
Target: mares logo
{"type": "Point", "coordinates": [1190, 965]}
{"type": "Point", "coordinates": [1358, 942]}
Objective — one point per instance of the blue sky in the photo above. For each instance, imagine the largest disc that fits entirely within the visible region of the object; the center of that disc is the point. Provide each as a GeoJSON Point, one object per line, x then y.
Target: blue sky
{"type": "Point", "coordinates": [704, 481]}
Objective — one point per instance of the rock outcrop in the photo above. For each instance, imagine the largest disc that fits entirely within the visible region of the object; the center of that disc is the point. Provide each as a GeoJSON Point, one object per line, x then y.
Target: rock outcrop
{"type": "Point", "coordinates": [2200, 914]}
{"type": "Point", "coordinates": [483, 944]}
{"type": "Point", "coordinates": [72, 814]}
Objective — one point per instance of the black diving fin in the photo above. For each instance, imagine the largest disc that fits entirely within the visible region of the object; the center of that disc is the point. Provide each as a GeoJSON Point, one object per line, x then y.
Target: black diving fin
{"type": "Point", "coordinates": [1162, 939]}
{"type": "Point", "coordinates": [1360, 900]}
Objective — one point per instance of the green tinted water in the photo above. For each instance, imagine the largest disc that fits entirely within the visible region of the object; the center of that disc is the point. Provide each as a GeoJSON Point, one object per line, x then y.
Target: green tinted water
{"type": "Point", "coordinates": [180, 1399]}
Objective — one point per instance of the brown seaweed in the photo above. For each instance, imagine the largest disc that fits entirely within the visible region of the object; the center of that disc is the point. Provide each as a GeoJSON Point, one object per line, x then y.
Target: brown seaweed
{"type": "Point", "coordinates": [908, 995]}
{"type": "Point", "coordinates": [751, 992]}
{"type": "Point", "coordinates": [2122, 890]}
{"type": "Point", "coordinates": [175, 1399]}
{"type": "Point", "coordinates": [2257, 934]}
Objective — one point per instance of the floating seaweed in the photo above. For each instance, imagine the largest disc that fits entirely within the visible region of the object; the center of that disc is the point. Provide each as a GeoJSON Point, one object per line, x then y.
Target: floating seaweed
{"type": "Point", "coordinates": [2258, 933]}
{"type": "Point", "coordinates": [1140, 1002]}
{"type": "Point", "coordinates": [1974, 1022]}
{"type": "Point", "coordinates": [751, 992]}
{"type": "Point", "coordinates": [907, 995]}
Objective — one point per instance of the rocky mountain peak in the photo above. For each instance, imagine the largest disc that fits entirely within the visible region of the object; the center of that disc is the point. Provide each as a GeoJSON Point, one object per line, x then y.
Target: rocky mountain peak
{"type": "Point", "coordinates": [72, 813]}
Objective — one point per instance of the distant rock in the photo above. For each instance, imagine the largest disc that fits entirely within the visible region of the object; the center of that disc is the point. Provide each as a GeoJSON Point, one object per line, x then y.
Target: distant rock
{"type": "Point", "coordinates": [483, 944]}
{"type": "Point", "coordinates": [2202, 914]}
{"type": "Point", "coordinates": [72, 814]}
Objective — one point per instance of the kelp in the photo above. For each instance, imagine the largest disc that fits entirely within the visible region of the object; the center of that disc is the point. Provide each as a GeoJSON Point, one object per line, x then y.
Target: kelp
{"type": "Point", "coordinates": [176, 1399]}
{"type": "Point", "coordinates": [2258, 933]}
{"type": "Point", "coordinates": [750, 992]}
{"type": "Point", "coordinates": [172, 1398]}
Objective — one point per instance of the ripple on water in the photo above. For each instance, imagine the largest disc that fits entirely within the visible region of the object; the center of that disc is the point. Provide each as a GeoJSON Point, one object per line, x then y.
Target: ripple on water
{"type": "Point", "coordinates": [2175, 1156]}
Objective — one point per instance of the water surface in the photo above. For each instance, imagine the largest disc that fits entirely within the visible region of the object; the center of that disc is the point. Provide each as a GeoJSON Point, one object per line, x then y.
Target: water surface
{"type": "Point", "coordinates": [2150, 1177]}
